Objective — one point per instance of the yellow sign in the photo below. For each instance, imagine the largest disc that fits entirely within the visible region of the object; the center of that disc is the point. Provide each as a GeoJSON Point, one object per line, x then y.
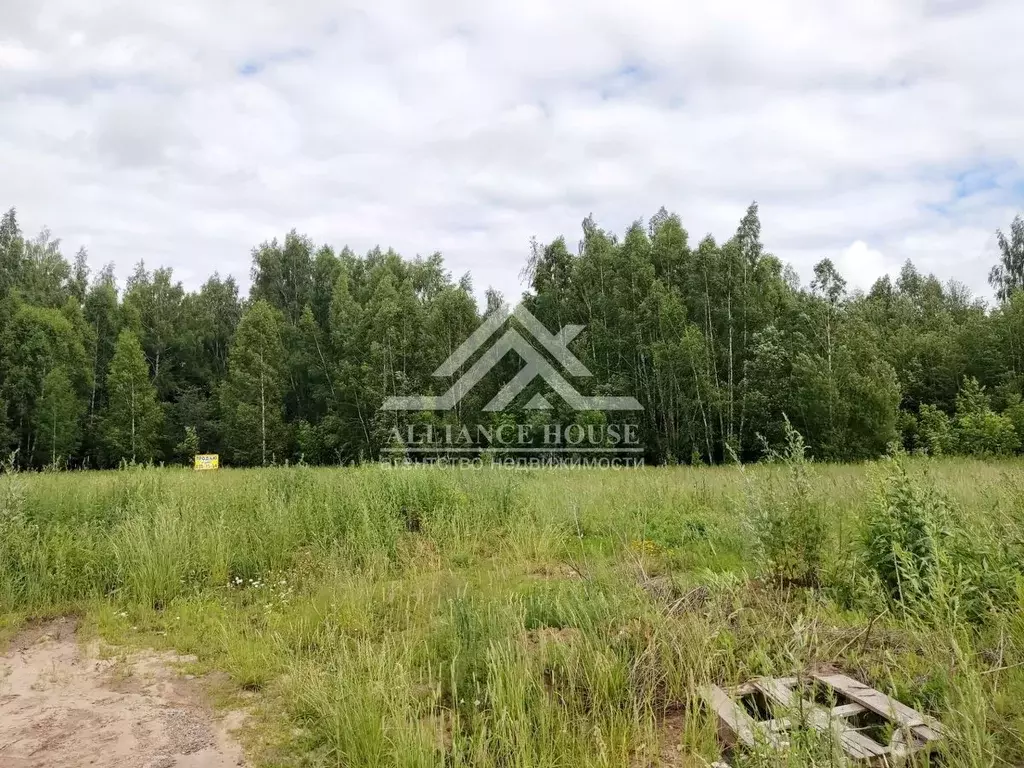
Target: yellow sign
{"type": "Point", "coordinates": [208, 461]}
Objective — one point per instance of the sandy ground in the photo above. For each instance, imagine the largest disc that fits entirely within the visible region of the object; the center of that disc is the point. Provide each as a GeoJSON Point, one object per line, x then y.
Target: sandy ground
{"type": "Point", "coordinates": [61, 706]}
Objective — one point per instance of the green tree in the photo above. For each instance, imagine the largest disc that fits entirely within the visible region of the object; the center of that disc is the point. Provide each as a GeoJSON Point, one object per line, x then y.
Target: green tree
{"type": "Point", "coordinates": [1008, 275]}
{"type": "Point", "coordinates": [1014, 411]}
{"type": "Point", "coordinates": [45, 279]}
{"type": "Point", "coordinates": [79, 283]}
{"type": "Point", "coordinates": [978, 430]}
{"type": "Point", "coordinates": [34, 342]}
{"type": "Point", "coordinates": [210, 318]}
{"type": "Point", "coordinates": [326, 268]}
{"type": "Point", "coordinates": [12, 253]}
{"type": "Point", "coordinates": [133, 417]}
{"type": "Point", "coordinates": [154, 305]}
{"type": "Point", "coordinates": [252, 397]}
{"type": "Point", "coordinates": [102, 315]}
{"type": "Point", "coordinates": [188, 448]}
{"type": "Point", "coordinates": [283, 275]}
{"type": "Point", "coordinates": [58, 419]}
{"type": "Point", "coordinates": [720, 342]}
{"type": "Point", "coordinates": [345, 430]}
{"type": "Point", "coordinates": [935, 431]}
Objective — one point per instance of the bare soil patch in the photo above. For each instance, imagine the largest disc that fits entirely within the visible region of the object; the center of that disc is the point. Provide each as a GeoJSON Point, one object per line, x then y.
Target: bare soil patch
{"type": "Point", "coordinates": [62, 706]}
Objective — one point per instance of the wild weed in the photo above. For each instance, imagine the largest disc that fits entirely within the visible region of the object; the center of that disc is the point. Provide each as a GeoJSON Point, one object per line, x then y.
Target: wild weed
{"type": "Point", "coordinates": [788, 520]}
{"type": "Point", "coordinates": [925, 556]}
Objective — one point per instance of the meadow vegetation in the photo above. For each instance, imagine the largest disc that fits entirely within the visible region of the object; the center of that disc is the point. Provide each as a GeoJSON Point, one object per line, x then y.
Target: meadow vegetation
{"type": "Point", "coordinates": [425, 617]}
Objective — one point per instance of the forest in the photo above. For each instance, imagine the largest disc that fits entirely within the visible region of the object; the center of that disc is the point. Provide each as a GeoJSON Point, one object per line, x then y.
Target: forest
{"type": "Point", "coordinates": [721, 343]}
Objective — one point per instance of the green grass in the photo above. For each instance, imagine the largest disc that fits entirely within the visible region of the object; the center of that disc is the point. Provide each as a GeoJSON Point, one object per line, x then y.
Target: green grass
{"type": "Point", "coordinates": [546, 617]}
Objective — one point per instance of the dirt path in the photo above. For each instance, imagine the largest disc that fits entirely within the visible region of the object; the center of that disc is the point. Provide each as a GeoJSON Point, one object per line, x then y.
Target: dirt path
{"type": "Point", "coordinates": [62, 708]}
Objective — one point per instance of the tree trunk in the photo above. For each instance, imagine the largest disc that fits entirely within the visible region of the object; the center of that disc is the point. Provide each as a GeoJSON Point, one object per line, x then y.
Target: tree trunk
{"type": "Point", "coordinates": [133, 419]}
{"type": "Point", "coordinates": [263, 410]}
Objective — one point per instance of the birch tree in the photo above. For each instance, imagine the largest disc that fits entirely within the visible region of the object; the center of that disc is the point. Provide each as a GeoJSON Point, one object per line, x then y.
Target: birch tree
{"type": "Point", "coordinates": [133, 419]}
{"type": "Point", "coordinates": [58, 419]}
{"type": "Point", "coordinates": [1008, 275]}
{"type": "Point", "coordinates": [252, 398]}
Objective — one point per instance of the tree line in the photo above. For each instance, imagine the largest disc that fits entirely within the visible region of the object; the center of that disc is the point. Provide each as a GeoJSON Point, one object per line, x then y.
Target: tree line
{"type": "Point", "coordinates": [720, 342]}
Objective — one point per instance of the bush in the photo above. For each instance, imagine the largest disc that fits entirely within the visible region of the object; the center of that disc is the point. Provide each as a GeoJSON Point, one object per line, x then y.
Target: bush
{"type": "Point", "coordinates": [934, 431]}
{"type": "Point", "coordinates": [927, 559]}
{"type": "Point", "coordinates": [979, 430]}
{"type": "Point", "coordinates": [907, 426]}
{"type": "Point", "coordinates": [788, 524]}
{"type": "Point", "coordinates": [986, 434]}
{"type": "Point", "coordinates": [900, 535]}
{"type": "Point", "coordinates": [976, 430]}
{"type": "Point", "coordinates": [1014, 411]}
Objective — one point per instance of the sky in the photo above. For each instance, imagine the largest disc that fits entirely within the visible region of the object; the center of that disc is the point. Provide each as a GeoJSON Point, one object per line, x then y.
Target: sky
{"type": "Point", "coordinates": [185, 133]}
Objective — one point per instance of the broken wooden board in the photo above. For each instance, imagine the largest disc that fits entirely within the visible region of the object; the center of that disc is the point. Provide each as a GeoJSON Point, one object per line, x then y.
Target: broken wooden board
{"type": "Point", "coordinates": [922, 726]}
{"type": "Point", "coordinates": [854, 745]}
{"type": "Point", "coordinates": [735, 726]}
{"type": "Point", "coordinates": [743, 729]}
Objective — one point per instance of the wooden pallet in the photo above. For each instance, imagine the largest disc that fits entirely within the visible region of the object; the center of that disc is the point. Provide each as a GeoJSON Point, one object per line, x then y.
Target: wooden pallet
{"type": "Point", "coordinates": [850, 702]}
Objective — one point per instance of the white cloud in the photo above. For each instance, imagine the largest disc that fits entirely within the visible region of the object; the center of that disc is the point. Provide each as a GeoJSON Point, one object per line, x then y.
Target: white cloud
{"type": "Point", "coordinates": [468, 127]}
{"type": "Point", "coordinates": [16, 57]}
{"type": "Point", "coordinates": [861, 266]}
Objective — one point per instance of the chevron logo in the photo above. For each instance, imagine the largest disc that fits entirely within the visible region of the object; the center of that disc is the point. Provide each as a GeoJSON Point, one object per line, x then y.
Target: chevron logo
{"type": "Point", "coordinates": [557, 345]}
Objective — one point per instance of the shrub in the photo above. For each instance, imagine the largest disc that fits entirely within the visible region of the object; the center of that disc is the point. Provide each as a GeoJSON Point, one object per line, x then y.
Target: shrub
{"type": "Point", "coordinates": [926, 558]}
{"type": "Point", "coordinates": [1014, 411]}
{"type": "Point", "coordinates": [980, 431]}
{"type": "Point", "coordinates": [907, 426]}
{"type": "Point", "coordinates": [788, 523]}
{"type": "Point", "coordinates": [934, 432]}
{"type": "Point", "coordinates": [900, 535]}
{"type": "Point", "coordinates": [986, 434]}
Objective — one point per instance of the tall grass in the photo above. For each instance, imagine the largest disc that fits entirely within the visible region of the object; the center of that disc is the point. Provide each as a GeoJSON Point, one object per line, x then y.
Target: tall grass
{"type": "Point", "coordinates": [424, 617]}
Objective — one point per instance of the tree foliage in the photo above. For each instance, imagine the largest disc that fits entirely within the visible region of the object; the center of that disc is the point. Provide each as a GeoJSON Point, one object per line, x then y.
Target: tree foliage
{"type": "Point", "coordinates": [720, 342]}
{"type": "Point", "coordinates": [1007, 276]}
{"type": "Point", "coordinates": [133, 420]}
{"type": "Point", "coordinates": [252, 397]}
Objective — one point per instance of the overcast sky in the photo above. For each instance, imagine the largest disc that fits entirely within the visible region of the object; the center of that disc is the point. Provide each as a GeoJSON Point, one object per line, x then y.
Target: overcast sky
{"type": "Point", "coordinates": [186, 132]}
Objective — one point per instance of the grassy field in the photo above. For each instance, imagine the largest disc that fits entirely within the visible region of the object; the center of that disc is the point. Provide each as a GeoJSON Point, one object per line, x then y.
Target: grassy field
{"type": "Point", "coordinates": [426, 617]}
